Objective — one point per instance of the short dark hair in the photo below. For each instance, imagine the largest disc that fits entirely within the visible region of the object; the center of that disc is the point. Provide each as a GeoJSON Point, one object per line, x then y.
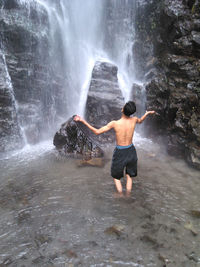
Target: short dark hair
{"type": "Point", "coordinates": [129, 108]}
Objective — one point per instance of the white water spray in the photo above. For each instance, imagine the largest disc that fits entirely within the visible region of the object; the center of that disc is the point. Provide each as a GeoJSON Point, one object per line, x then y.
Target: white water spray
{"type": "Point", "coordinates": [77, 28]}
{"type": "Point", "coordinates": [15, 104]}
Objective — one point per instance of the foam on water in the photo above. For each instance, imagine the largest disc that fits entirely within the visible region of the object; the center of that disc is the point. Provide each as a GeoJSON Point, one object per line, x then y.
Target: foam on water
{"type": "Point", "coordinates": [29, 152]}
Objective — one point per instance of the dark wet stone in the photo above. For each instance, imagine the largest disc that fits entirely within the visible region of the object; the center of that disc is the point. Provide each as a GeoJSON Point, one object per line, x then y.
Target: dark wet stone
{"type": "Point", "coordinates": [9, 4]}
{"type": "Point", "coordinates": [170, 64]}
{"type": "Point", "coordinates": [70, 253]}
{"type": "Point", "coordinates": [10, 134]}
{"type": "Point", "coordinates": [195, 213]}
{"type": "Point", "coordinates": [26, 46]}
{"type": "Point", "coordinates": [193, 257]}
{"type": "Point", "coordinates": [75, 140]}
{"type": "Point", "coordinates": [150, 240]}
{"type": "Point", "coordinates": [38, 260]}
{"type": "Point", "coordinates": [7, 262]}
{"type": "Point", "coordinates": [137, 95]}
{"type": "Point", "coordinates": [54, 256]}
{"type": "Point", "coordinates": [163, 259]}
{"type": "Point", "coordinates": [114, 230]}
{"type": "Point", "coordinates": [193, 154]}
{"type": "Point", "coordinates": [41, 239]}
{"type": "Point", "coordinates": [23, 217]}
{"type": "Point", "coordinates": [14, 194]}
{"type": "Point", "coordinates": [147, 225]}
{"type": "Point", "coordinates": [105, 100]}
{"type": "Point", "coordinates": [92, 243]}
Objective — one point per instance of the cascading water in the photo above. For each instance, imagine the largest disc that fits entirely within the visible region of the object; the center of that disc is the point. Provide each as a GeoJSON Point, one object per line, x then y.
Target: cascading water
{"type": "Point", "coordinates": [80, 35]}
{"type": "Point", "coordinates": [119, 29]}
{"type": "Point", "coordinates": [66, 39]}
{"type": "Point", "coordinates": [76, 31]}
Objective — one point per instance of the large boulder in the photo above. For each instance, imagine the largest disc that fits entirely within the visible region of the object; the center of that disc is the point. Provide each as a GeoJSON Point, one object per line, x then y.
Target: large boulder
{"type": "Point", "coordinates": [105, 100]}
{"type": "Point", "coordinates": [75, 140]}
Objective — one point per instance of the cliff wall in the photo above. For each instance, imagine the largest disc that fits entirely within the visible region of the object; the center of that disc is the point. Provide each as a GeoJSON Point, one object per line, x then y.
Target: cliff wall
{"type": "Point", "coordinates": [167, 56]}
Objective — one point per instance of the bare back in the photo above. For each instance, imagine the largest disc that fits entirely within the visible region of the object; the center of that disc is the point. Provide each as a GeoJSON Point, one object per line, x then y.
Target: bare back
{"type": "Point", "coordinates": [124, 130]}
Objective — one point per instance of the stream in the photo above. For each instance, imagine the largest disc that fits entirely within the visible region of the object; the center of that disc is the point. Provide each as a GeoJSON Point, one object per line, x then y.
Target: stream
{"type": "Point", "coordinates": [54, 213]}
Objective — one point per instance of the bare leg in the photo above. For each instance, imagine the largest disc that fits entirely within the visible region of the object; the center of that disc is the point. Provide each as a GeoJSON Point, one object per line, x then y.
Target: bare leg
{"type": "Point", "coordinates": [129, 183]}
{"type": "Point", "coordinates": [118, 186]}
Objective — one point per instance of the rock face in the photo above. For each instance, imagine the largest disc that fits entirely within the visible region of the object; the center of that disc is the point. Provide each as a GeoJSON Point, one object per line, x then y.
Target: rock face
{"type": "Point", "coordinates": [10, 134]}
{"type": "Point", "coordinates": [105, 100]}
{"type": "Point", "coordinates": [167, 53]}
{"type": "Point", "coordinates": [37, 86]}
{"type": "Point", "coordinates": [73, 139]}
{"type": "Point", "coordinates": [138, 96]}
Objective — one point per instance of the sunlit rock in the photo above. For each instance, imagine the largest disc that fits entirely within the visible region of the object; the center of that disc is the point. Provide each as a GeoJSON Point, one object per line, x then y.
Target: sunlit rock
{"type": "Point", "coordinates": [105, 100]}
{"type": "Point", "coordinates": [75, 140]}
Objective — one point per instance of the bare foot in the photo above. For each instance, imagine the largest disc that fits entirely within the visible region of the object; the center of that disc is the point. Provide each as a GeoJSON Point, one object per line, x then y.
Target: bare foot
{"type": "Point", "coordinates": [128, 193]}
{"type": "Point", "coordinates": [118, 195]}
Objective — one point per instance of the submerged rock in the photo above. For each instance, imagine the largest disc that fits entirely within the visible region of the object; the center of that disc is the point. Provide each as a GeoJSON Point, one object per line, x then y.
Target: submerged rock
{"type": "Point", "coordinates": [189, 226]}
{"type": "Point", "coordinates": [97, 162]}
{"type": "Point", "coordinates": [105, 100]}
{"type": "Point", "coordinates": [75, 140]}
{"type": "Point", "coordinates": [115, 230]}
{"type": "Point", "coordinates": [195, 213]}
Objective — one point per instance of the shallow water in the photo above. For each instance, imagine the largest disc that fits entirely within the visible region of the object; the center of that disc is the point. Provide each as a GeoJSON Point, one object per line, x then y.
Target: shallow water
{"type": "Point", "coordinates": [54, 213]}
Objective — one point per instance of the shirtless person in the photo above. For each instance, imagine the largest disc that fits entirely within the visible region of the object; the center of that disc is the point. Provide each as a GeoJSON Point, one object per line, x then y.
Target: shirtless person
{"type": "Point", "coordinates": [124, 155]}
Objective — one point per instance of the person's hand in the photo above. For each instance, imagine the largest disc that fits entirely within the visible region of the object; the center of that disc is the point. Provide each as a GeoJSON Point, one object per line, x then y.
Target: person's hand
{"type": "Point", "coordinates": [150, 112]}
{"type": "Point", "coordinates": [77, 118]}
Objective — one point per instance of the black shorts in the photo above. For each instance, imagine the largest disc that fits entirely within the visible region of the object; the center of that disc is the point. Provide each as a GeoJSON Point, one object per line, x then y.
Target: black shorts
{"type": "Point", "coordinates": [124, 157]}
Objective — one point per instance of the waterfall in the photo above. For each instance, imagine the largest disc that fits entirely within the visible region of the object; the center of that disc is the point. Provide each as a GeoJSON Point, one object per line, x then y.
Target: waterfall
{"type": "Point", "coordinates": [76, 41]}
{"type": "Point", "coordinates": [88, 32]}
{"type": "Point", "coordinates": [119, 41]}
{"type": "Point", "coordinates": [63, 40]}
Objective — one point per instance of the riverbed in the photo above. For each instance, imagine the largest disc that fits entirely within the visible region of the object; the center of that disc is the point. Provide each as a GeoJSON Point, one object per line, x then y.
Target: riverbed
{"type": "Point", "coordinates": [55, 213]}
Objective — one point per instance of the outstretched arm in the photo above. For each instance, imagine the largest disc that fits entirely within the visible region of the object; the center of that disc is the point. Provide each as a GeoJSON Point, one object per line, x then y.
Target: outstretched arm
{"type": "Point", "coordinates": [140, 120]}
{"type": "Point", "coordinates": [103, 129]}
